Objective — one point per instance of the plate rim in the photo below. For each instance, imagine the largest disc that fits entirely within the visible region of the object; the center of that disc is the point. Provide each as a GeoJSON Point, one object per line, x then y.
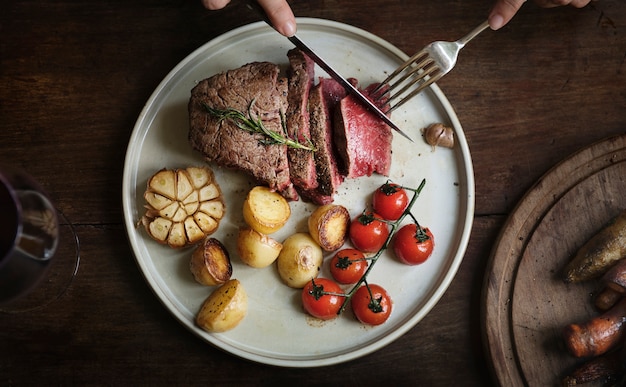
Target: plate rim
{"type": "Point", "coordinates": [467, 205]}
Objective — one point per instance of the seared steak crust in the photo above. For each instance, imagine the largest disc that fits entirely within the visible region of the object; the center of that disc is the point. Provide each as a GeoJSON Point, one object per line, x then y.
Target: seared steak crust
{"type": "Point", "coordinates": [301, 77]}
{"type": "Point", "coordinates": [322, 100]}
{"type": "Point", "coordinates": [349, 140]}
{"type": "Point", "coordinates": [229, 146]}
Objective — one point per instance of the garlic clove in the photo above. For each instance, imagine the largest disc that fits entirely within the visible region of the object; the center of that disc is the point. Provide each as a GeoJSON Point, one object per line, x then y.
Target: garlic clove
{"type": "Point", "coordinates": [438, 134]}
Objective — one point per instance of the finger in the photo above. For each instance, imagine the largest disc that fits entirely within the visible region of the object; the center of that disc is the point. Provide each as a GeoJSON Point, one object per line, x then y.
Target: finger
{"type": "Point", "coordinates": [552, 3]}
{"type": "Point", "coordinates": [579, 3]}
{"type": "Point", "coordinates": [214, 4]}
{"type": "Point", "coordinates": [503, 11]}
{"type": "Point", "coordinates": [281, 16]}
{"type": "Point", "coordinates": [558, 3]}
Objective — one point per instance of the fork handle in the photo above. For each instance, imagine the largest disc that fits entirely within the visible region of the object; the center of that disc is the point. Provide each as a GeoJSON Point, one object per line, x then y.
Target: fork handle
{"type": "Point", "coordinates": [474, 33]}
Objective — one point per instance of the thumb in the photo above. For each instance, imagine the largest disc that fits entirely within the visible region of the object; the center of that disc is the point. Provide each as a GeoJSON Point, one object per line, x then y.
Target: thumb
{"type": "Point", "coordinates": [281, 16]}
{"type": "Point", "coordinates": [214, 4]}
{"type": "Point", "coordinates": [503, 11]}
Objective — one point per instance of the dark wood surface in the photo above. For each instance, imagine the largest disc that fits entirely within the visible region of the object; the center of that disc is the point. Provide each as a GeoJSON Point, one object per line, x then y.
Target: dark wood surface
{"type": "Point", "coordinates": [76, 74]}
{"type": "Point", "coordinates": [527, 304]}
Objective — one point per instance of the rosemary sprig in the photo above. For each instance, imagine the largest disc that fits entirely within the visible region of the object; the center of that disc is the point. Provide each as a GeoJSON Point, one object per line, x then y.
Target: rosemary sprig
{"type": "Point", "coordinates": [255, 125]}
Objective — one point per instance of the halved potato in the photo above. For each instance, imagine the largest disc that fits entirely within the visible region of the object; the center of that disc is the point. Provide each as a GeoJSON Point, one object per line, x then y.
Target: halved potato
{"type": "Point", "coordinates": [328, 225]}
{"type": "Point", "coordinates": [300, 260]}
{"type": "Point", "coordinates": [256, 249]}
{"type": "Point", "coordinates": [210, 263]}
{"type": "Point", "coordinates": [224, 308]}
{"type": "Point", "coordinates": [265, 211]}
{"type": "Point", "coordinates": [183, 206]}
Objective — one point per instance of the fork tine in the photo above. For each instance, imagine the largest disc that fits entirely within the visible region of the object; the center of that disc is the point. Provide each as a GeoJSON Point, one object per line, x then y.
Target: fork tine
{"type": "Point", "coordinates": [409, 73]}
{"type": "Point", "coordinates": [424, 68]}
{"type": "Point", "coordinates": [427, 81]}
{"type": "Point", "coordinates": [421, 70]}
{"type": "Point", "coordinates": [399, 70]}
{"type": "Point", "coordinates": [420, 63]}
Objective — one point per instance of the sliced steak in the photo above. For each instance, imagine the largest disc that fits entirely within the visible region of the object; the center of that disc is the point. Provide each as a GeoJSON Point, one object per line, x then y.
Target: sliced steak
{"type": "Point", "coordinates": [322, 101]}
{"type": "Point", "coordinates": [222, 142]}
{"type": "Point", "coordinates": [334, 91]}
{"type": "Point", "coordinates": [301, 162]}
{"type": "Point", "coordinates": [363, 140]}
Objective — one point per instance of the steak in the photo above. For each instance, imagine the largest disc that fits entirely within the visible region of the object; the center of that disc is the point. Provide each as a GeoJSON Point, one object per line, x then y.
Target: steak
{"type": "Point", "coordinates": [362, 139]}
{"type": "Point", "coordinates": [349, 140]}
{"type": "Point", "coordinates": [301, 161]}
{"type": "Point", "coordinates": [323, 99]}
{"type": "Point", "coordinates": [257, 85]}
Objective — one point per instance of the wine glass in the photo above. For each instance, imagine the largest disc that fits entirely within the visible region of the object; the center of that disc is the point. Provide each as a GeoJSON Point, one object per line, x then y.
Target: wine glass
{"type": "Point", "coordinates": [39, 249]}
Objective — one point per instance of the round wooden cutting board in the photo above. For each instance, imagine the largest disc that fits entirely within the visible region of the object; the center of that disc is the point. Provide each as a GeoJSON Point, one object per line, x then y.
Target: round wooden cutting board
{"type": "Point", "coordinates": [526, 304]}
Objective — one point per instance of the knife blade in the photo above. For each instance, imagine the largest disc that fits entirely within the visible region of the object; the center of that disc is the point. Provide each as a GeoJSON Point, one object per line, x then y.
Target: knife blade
{"type": "Point", "coordinates": [252, 4]}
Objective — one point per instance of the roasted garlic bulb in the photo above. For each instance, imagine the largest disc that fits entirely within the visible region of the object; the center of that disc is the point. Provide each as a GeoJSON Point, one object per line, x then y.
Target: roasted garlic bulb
{"type": "Point", "coordinates": [183, 206]}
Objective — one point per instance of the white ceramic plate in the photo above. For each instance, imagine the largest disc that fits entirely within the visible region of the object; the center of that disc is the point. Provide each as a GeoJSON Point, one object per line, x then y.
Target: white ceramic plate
{"type": "Point", "coordinates": [276, 331]}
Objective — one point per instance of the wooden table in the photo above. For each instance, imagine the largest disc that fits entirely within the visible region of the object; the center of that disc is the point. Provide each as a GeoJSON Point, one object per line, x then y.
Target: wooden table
{"type": "Point", "coordinates": [75, 76]}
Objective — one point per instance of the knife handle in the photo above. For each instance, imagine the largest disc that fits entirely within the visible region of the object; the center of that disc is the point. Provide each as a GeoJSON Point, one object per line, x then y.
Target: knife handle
{"type": "Point", "coordinates": [255, 6]}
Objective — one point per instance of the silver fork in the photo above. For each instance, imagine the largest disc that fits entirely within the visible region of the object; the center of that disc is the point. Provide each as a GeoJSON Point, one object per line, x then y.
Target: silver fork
{"type": "Point", "coordinates": [422, 69]}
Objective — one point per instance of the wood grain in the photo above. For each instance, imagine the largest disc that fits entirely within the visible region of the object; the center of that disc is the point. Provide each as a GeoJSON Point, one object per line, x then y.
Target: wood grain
{"type": "Point", "coordinates": [527, 304]}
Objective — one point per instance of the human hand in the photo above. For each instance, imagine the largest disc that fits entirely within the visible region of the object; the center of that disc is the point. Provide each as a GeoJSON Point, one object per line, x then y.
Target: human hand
{"type": "Point", "coordinates": [278, 11]}
{"type": "Point", "coordinates": [504, 10]}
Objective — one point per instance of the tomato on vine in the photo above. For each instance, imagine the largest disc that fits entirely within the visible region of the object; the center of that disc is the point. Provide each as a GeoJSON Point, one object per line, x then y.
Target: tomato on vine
{"type": "Point", "coordinates": [413, 244]}
{"type": "Point", "coordinates": [371, 304]}
{"type": "Point", "coordinates": [390, 201]}
{"type": "Point", "coordinates": [347, 266]}
{"type": "Point", "coordinates": [368, 233]}
{"type": "Point", "coordinates": [322, 298]}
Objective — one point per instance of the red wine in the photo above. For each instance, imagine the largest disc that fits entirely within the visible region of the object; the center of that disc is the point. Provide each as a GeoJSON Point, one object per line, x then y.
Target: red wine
{"type": "Point", "coordinates": [28, 234]}
{"type": "Point", "coordinates": [8, 221]}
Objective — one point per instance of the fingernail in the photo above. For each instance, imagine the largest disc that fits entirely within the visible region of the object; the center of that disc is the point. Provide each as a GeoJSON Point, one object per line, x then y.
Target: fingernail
{"type": "Point", "coordinates": [496, 22]}
{"type": "Point", "coordinates": [289, 29]}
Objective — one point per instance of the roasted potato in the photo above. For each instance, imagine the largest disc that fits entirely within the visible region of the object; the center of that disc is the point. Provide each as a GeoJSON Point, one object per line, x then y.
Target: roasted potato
{"type": "Point", "coordinates": [299, 261]}
{"type": "Point", "coordinates": [328, 225]}
{"type": "Point", "coordinates": [265, 211]}
{"type": "Point", "coordinates": [224, 308]}
{"type": "Point", "coordinates": [257, 249]}
{"type": "Point", "coordinates": [210, 263]}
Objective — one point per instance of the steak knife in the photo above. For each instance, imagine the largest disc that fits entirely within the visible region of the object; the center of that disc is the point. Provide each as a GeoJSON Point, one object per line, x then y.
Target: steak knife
{"type": "Point", "coordinates": [252, 4]}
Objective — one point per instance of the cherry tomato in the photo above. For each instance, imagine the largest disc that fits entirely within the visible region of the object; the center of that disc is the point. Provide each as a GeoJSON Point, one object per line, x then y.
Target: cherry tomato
{"type": "Point", "coordinates": [413, 244]}
{"type": "Point", "coordinates": [390, 200]}
{"type": "Point", "coordinates": [368, 233]}
{"type": "Point", "coordinates": [318, 303]}
{"type": "Point", "coordinates": [347, 266]}
{"type": "Point", "coordinates": [371, 309]}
